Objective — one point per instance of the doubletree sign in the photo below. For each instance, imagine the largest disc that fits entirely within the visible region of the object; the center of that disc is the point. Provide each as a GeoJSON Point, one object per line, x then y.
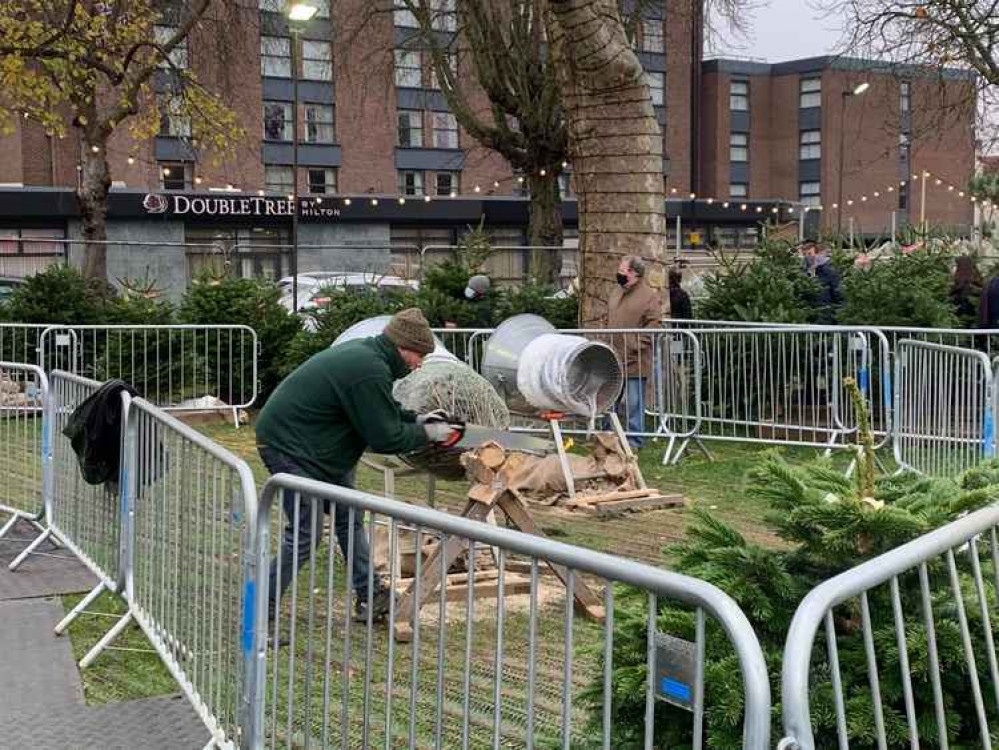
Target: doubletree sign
{"type": "Point", "coordinates": [234, 206]}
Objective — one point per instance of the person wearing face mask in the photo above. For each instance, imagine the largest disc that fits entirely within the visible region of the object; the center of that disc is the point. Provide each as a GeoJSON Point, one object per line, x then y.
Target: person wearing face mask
{"type": "Point", "coordinates": [634, 304]}
{"type": "Point", "coordinates": [321, 419]}
{"type": "Point", "coordinates": [477, 295]}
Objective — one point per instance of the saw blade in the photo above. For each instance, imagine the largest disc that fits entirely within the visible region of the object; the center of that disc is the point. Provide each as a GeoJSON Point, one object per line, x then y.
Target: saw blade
{"type": "Point", "coordinates": [476, 435]}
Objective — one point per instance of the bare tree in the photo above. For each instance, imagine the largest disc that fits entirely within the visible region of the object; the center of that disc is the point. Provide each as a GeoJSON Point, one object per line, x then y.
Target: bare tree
{"type": "Point", "coordinates": [615, 142]}
{"type": "Point", "coordinates": [89, 66]}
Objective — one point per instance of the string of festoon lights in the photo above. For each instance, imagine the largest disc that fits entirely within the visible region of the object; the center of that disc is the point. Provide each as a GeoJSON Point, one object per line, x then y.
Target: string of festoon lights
{"type": "Point", "coordinates": [930, 179]}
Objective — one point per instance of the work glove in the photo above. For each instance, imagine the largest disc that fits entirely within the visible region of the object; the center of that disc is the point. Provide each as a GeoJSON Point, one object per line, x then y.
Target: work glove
{"type": "Point", "coordinates": [437, 415]}
{"type": "Point", "coordinates": [439, 432]}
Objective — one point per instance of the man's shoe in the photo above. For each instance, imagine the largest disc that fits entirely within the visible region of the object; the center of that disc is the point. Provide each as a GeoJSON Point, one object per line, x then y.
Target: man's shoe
{"type": "Point", "coordinates": [380, 602]}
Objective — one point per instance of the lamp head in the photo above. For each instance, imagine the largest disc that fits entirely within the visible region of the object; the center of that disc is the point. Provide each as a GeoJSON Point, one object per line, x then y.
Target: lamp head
{"type": "Point", "coordinates": [860, 88]}
{"type": "Point", "coordinates": [300, 10]}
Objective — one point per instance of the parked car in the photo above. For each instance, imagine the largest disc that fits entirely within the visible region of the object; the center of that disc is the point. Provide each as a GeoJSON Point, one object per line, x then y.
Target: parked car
{"type": "Point", "coordinates": [313, 287]}
{"type": "Point", "coordinates": [7, 286]}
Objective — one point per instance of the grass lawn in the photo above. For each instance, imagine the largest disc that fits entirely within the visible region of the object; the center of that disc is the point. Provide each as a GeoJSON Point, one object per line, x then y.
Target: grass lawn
{"type": "Point", "coordinates": [717, 485]}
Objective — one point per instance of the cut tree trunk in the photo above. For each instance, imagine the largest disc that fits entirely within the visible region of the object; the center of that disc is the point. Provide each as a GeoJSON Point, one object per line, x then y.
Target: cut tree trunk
{"type": "Point", "coordinates": [616, 147]}
{"type": "Point", "coordinates": [95, 184]}
{"type": "Point", "coordinates": [544, 227]}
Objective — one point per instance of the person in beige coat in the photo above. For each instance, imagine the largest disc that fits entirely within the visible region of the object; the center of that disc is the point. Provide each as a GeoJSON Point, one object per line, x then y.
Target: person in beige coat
{"type": "Point", "coordinates": [634, 304]}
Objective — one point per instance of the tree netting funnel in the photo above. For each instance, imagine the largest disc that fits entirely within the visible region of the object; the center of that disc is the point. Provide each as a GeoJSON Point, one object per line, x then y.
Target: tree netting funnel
{"type": "Point", "coordinates": [538, 369]}
{"type": "Point", "coordinates": [374, 326]}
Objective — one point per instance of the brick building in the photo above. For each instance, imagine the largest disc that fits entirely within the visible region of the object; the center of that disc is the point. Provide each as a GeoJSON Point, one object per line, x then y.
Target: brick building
{"type": "Point", "coordinates": [373, 127]}
{"type": "Point", "coordinates": [775, 131]}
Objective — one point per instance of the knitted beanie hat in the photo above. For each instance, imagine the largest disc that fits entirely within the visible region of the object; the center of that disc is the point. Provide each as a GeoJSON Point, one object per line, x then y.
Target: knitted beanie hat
{"type": "Point", "coordinates": [479, 284]}
{"type": "Point", "coordinates": [408, 329]}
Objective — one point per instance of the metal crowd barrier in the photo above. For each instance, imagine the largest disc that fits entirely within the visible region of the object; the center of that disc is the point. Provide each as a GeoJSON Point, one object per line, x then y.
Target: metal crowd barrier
{"type": "Point", "coordinates": [25, 447]}
{"type": "Point", "coordinates": [167, 364]}
{"type": "Point", "coordinates": [87, 519]}
{"type": "Point", "coordinates": [474, 671]}
{"type": "Point", "coordinates": [787, 386]}
{"type": "Point", "coordinates": [939, 594]}
{"type": "Point", "coordinates": [944, 408]}
{"type": "Point", "coordinates": [192, 507]}
{"type": "Point", "coordinates": [19, 342]}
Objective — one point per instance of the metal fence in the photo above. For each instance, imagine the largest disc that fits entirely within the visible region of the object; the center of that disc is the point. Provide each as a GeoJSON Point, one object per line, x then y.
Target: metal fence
{"type": "Point", "coordinates": [193, 508]}
{"type": "Point", "coordinates": [499, 661]}
{"type": "Point", "coordinates": [909, 647]}
{"type": "Point", "coordinates": [25, 446]}
{"type": "Point", "coordinates": [944, 408]}
{"type": "Point", "coordinates": [188, 367]}
{"type": "Point", "coordinates": [19, 342]}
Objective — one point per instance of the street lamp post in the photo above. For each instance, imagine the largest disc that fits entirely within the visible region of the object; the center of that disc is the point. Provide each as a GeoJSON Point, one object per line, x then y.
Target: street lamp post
{"type": "Point", "coordinates": [856, 91]}
{"type": "Point", "coordinates": [298, 13]}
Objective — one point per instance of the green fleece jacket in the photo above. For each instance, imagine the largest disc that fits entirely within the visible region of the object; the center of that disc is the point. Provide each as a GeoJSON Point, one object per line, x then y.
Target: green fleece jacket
{"type": "Point", "coordinates": [336, 405]}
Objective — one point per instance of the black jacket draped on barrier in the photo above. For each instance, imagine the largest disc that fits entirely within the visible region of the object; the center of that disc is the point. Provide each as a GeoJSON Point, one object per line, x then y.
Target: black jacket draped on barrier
{"type": "Point", "coordinates": [94, 431]}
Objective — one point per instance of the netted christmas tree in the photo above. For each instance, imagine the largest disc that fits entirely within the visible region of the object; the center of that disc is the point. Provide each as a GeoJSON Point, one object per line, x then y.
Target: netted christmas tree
{"type": "Point", "coordinates": [827, 524]}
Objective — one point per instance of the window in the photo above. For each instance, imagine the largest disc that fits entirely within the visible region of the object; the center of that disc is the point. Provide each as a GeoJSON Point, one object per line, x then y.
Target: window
{"type": "Point", "coordinates": [810, 144]}
{"type": "Point", "coordinates": [178, 55]}
{"type": "Point", "coordinates": [407, 68]}
{"type": "Point", "coordinates": [410, 128]}
{"type": "Point", "coordinates": [903, 197]}
{"type": "Point", "coordinates": [445, 130]}
{"type": "Point", "coordinates": [319, 123]}
{"type": "Point", "coordinates": [738, 96]}
{"type": "Point", "coordinates": [277, 121]}
{"type": "Point", "coordinates": [810, 93]}
{"type": "Point", "coordinates": [652, 36]}
{"type": "Point", "coordinates": [738, 147]}
{"type": "Point", "coordinates": [903, 146]}
{"type": "Point", "coordinates": [905, 97]}
{"type": "Point", "coordinates": [810, 193]}
{"type": "Point", "coordinates": [444, 17]}
{"type": "Point", "coordinates": [738, 190]}
{"type": "Point", "coordinates": [278, 179]}
{"type": "Point", "coordinates": [275, 56]}
{"type": "Point", "coordinates": [322, 181]}
{"type": "Point", "coordinates": [410, 182]}
{"type": "Point", "coordinates": [446, 183]}
{"type": "Point", "coordinates": [452, 63]}
{"type": "Point", "coordinates": [403, 16]}
{"type": "Point", "coordinates": [176, 175]}
{"type": "Point", "coordinates": [173, 122]}
{"type": "Point", "coordinates": [564, 185]}
{"type": "Point", "coordinates": [656, 84]}
{"type": "Point", "coordinates": [317, 61]}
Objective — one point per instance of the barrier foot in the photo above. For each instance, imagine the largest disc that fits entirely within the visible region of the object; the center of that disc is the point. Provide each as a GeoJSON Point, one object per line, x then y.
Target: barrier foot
{"type": "Point", "coordinates": [668, 453]}
{"type": "Point", "coordinates": [8, 526]}
{"type": "Point", "coordinates": [104, 642]}
{"type": "Point", "coordinates": [75, 612]}
{"type": "Point", "coordinates": [16, 562]}
{"type": "Point", "coordinates": [235, 417]}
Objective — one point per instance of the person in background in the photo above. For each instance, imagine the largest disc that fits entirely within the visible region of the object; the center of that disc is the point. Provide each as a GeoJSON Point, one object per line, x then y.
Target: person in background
{"type": "Point", "coordinates": [634, 304]}
{"type": "Point", "coordinates": [988, 307]}
{"type": "Point", "coordinates": [476, 295]}
{"type": "Point", "coordinates": [966, 290]}
{"type": "Point", "coordinates": [321, 419]}
{"type": "Point", "coordinates": [817, 266]}
{"type": "Point", "coordinates": [679, 300]}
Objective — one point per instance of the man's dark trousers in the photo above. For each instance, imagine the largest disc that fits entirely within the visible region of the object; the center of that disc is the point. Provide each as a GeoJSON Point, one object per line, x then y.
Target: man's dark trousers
{"type": "Point", "coordinates": [279, 463]}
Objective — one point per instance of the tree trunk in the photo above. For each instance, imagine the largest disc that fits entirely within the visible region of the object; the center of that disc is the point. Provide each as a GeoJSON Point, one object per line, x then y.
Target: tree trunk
{"type": "Point", "coordinates": [95, 184]}
{"type": "Point", "coordinates": [616, 147]}
{"type": "Point", "coordinates": [545, 227]}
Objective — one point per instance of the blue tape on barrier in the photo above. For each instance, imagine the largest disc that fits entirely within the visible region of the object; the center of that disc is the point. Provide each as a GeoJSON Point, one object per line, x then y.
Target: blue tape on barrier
{"type": "Point", "coordinates": [886, 390]}
{"type": "Point", "coordinates": [989, 434]}
{"type": "Point", "coordinates": [863, 380]}
{"type": "Point", "coordinates": [124, 493]}
{"type": "Point", "coordinates": [674, 689]}
{"type": "Point", "coordinates": [249, 614]}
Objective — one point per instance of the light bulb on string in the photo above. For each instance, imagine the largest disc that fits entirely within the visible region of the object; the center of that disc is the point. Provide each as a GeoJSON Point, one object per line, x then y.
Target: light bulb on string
{"type": "Point", "coordinates": [672, 191]}
{"type": "Point", "coordinates": [891, 188]}
{"type": "Point", "coordinates": [402, 201]}
{"type": "Point", "coordinates": [453, 194]}
{"type": "Point", "coordinates": [319, 201]}
{"type": "Point", "coordinates": [260, 192]}
{"type": "Point", "coordinates": [346, 201]}
{"type": "Point", "coordinates": [520, 180]}
{"type": "Point", "coordinates": [198, 180]}
{"type": "Point", "coordinates": [477, 189]}
{"type": "Point", "coordinates": [426, 199]}
{"type": "Point", "coordinates": [961, 193]}
{"type": "Point", "coordinates": [743, 207]}
{"type": "Point", "coordinates": [850, 202]}
{"type": "Point", "coordinates": [95, 149]}
{"type": "Point", "coordinates": [835, 205]}
{"type": "Point", "coordinates": [759, 209]}
{"type": "Point", "coordinates": [938, 181]}
{"type": "Point", "coordinates": [166, 171]}
{"type": "Point", "coordinates": [725, 204]}
{"type": "Point", "coordinates": [542, 173]}
{"type": "Point", "coordinates": [773, 210]}
{"type": "Point", "coordinates": [710, 201]}
{"type": "Point", "coordinates": [877, 194]}
{"type": "Point", "coordinates": [131, 160]}
{"type": "Point", "coordinates": [495, 183]}
{"type": "Point", "coordinates": [692, 196]}
{"type": "Point", "coordinates": [950, 188]}
{"type": "Point", "coordinates": [863, 199]}
{"type": "Point", "coordinates": [374, 201]}
{"type": "Point", "coordinates": [565, 165]}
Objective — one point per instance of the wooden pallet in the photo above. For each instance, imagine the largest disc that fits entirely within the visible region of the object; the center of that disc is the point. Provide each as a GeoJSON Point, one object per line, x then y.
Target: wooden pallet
{"type": "Point", "coordinates": [616, 503]}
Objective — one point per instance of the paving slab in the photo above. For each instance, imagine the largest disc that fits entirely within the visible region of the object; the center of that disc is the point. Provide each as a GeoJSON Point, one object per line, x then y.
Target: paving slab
{"type": "Point", "coordinates": [37, 671]}
{"type": "Point", "coordinates": [166, 723]}
{"type": "Point", "coordinates": [54, 570]}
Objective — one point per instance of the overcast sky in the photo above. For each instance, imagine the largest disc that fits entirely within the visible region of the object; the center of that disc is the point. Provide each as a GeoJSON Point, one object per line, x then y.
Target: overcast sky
{"type": "Point", "coordinates": [782, 30]}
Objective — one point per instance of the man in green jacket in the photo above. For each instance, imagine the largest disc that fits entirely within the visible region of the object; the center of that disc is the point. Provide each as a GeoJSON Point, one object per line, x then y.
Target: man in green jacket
{"type": "Point", "coordinates": [321, 419]}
